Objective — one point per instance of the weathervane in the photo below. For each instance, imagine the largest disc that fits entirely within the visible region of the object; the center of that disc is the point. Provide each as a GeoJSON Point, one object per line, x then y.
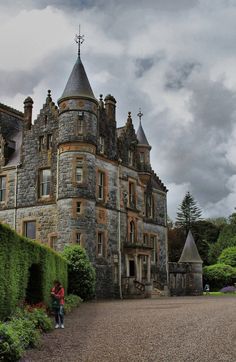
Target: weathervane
{"type": "Point", "coordinates": [79, 39]}
{"type": "Point", "coordinates": [140, 114]}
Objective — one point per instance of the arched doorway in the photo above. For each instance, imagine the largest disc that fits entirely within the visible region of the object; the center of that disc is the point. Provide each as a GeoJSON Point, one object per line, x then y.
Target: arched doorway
{"type": "Point", "coordinates": [34, 292]}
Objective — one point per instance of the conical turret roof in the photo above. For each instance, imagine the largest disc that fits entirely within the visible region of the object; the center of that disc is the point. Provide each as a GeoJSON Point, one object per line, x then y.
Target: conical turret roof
{"type": "Point", "coordinates": [190, 253]}
{"type": "Point", "coordinates": [142, 139]}
{"type": "Point", "coordinates": [78, 83]}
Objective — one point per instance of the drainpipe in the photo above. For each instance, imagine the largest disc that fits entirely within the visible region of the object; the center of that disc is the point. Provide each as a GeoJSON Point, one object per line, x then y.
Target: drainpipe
{"type": "Point", "coordinates": [119, 223]}
{"type": "Point", "coordinates": [57, 187]}
{"type": "Point", "coordinates": [15, 199]}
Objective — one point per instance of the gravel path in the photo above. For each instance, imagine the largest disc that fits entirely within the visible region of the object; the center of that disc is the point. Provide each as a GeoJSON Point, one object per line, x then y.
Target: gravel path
{"type": "Point", "coordinates": [152, 330]}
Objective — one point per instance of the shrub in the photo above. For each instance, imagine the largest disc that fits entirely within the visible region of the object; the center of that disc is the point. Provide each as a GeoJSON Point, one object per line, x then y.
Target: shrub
{"type": "Point", "coordinates": [81, 274]}
{"type": "Point", "coordinates": [71, 301]}
{"type": "Point", "coordinates": [228, 256]}
{"type": "Point", "coordinates": [39, 318]}
{"type": "Point", "coordinates": [219, 275]}
{"type": "Point", "coordinates": [17, 335]}
{"type": "Point", "coordinates": [27, 270]}
{"type": "Point", "coordinates": [228, 289]}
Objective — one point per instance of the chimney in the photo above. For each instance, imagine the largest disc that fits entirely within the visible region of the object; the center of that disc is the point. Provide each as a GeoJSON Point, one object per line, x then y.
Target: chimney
{"type": "Point", "coordinates": [110, 107]}
{"type": "Point", "coordinates": [28, 106]}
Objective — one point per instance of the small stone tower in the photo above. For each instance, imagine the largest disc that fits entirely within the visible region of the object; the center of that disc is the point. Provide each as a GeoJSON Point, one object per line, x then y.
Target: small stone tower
{"type": "Point", "coordinates": [185, 277]}
{"type": "Point", "coordinates": [77, 144]}
{"type": "Point", "coordinates": [191, 258]}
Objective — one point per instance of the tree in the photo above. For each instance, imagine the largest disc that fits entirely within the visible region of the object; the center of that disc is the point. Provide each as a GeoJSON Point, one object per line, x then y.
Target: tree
{"type": "Point", "coordinates": [81, 273]}
{"type": "Point", "coordinates": [188, 212]}
{"type": "Point", "coordinates": [219, 275]}
{"type": "Point", "coordinates": [228, 256]}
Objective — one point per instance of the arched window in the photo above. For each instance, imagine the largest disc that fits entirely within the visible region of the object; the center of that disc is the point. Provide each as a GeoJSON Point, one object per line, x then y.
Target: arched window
{"type": "Point", "coordinates": [132, 232]}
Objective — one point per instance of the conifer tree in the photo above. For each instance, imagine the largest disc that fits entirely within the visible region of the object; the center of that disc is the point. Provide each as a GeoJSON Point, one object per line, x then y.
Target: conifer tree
{"type": "Point", "coordinates": [188, 212]}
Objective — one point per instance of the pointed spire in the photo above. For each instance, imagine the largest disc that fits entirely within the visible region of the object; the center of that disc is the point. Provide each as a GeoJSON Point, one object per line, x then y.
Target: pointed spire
{"type": "Point", "coordinates": [78, 84]}
{"type": "Point", "coordinates": [142, 139]}
{"type": "Point", "coordinates": [190, 253]}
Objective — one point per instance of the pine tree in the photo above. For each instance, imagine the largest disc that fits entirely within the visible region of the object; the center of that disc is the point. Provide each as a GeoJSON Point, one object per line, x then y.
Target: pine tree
{"type": "Point", "coordinates": [188, 212]}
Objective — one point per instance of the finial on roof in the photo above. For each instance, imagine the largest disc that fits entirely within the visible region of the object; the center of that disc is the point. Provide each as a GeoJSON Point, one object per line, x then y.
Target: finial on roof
{"type": "Point", "coordinates": [129, 114]}
{"type": "Point", "coordinates": [79, 39]}
{"type": "Point", "coordinates": [140, 114]}
{"type": "Point", "coordinates": [100, 97]}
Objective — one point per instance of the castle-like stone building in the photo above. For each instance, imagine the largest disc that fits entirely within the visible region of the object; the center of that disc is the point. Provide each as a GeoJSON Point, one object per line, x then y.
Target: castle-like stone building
{"type": "Point", "coordinates": [72, 176]}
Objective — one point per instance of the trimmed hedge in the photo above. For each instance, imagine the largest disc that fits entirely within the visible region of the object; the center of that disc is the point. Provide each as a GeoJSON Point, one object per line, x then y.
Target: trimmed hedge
{"type": "Point", "coordinates": [17, 256]}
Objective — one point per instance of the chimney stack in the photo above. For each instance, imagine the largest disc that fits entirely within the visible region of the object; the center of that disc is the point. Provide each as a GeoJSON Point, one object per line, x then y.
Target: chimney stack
{"type": "Point", "coordinates": [28, 106]}
{"type": "Point", "coordinates": [110, 107]}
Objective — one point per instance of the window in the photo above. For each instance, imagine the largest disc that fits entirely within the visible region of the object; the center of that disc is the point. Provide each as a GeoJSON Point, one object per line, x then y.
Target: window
{"type": "Point", "coordinates": [149, 206]}
{"type": "Point", "coordinates": [131, 194]}
{"type": "Point", "coordinates": [101, 144]}
{"type": "Point", "coordinates": [49, 141]}
{"type": "Point", "coordinates": [142, 157]}
{"type": "Point", "coordinates": [145, 239]}
{"type": "Point", "coordinates": [78, 238]}
{"type": "Point", "coordinates": [52, 241]}
{"type": "Point", "coordinates": [78, 207]}
{"type": "Point", "coordinates": [79, 171]}
{"type": "Point", "coordinates": [41, 143]}
{"type": "Point", "coordinates": [101, 178]}
{"type": "Point", "coordinates": [30, 229]}
{"type": "Point", "coordinates": [45, 120]}
{"type": "Point", "coordinates": [80, 123]}
{"type": "Point", "coordinates": [130, 158]}
{"type": "Point", "coordinates": [132, 232]}
{"type": "Point", "coordinates": [45, 183]}
{"type": "Point", "coordinates": [100, 244]}
{"type": "Point", "coordinates": [2, 188]}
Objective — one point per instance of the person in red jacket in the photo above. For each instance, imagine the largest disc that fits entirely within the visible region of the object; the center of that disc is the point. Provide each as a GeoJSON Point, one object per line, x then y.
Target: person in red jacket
{"type": "Point", "coordinates": [58, 302]}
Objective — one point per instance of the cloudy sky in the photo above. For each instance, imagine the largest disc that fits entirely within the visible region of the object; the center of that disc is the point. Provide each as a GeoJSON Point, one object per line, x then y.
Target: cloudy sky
{"type": "Point", "coordinates": [176, 59]}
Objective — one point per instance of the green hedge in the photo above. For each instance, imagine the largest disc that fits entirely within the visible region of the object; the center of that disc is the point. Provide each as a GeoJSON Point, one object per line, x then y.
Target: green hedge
{"type": "Point", "coordinates": [17, 256]}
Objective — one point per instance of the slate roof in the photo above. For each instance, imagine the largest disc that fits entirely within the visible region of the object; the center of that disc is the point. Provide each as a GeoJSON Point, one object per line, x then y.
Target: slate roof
{"type": "Point", "coordinates": [141, 135]}
{"type": "Point", "coordinates": [78, 83]}
{"type": "Point", "coordinates": [190, 253]}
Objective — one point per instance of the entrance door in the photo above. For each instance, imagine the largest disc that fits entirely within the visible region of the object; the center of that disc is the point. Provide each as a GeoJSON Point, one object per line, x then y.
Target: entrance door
{"type": "Point", "coordinates": [131, 268]}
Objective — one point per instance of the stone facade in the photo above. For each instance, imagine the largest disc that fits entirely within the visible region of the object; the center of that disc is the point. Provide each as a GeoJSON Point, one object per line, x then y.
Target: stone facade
{"type": "Point", "coordinates": [72, 176]}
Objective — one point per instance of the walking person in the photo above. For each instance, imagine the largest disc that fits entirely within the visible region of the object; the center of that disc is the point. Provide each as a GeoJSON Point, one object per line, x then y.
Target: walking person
{"type": "Point", "coordinates": [58, 302]}
{"type": "Point", "coordinates": [207, 289]}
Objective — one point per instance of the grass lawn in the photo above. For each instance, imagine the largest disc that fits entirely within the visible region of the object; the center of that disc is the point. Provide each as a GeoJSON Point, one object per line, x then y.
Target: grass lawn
{"type": "Point", "coordinates": [219, 294]}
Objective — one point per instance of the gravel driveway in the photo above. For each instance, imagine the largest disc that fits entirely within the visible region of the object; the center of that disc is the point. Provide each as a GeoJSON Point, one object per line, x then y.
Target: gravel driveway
{"type": "Point", "coordinates": [151, 330]}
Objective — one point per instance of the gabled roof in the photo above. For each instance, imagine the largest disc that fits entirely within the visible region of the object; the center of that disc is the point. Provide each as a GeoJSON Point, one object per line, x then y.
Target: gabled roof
{"type": "Point", "coordinates": [142, 139]}
{"type": "Point", "coordinates": [78, 83]}
{"type": "Point", "coordinates": [190, 253]}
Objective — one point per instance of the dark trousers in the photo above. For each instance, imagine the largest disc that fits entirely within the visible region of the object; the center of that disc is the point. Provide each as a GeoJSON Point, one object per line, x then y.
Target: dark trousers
{"type": "Point", "coordinates": [59, 315]}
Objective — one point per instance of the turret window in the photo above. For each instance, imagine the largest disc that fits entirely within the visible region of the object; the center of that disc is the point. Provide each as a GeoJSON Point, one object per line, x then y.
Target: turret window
{"type": "Point", "coordinates": [80, 123]}
{"type": "Point", "coordinates": [142, 157]}
{"type": "Point", "coordinates": [79, 171]}
{"type": "Point", "coordinates": [101, 183]}
{"type": "Point", "coordinates": [101, 144]}
{"type": "Point", "coordinates": [153, 246]}
{"type": "Point", "coordinates": [45, 183]}
{"type": "Point", "coordinates": [2, 188]}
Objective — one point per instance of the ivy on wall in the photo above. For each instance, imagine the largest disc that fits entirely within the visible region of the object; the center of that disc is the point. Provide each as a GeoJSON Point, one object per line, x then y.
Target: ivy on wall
{"type": "Point", "coordinates": [17, 256]}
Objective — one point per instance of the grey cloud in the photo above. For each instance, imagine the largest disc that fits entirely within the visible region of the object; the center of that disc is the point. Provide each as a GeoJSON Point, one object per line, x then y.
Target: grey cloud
{"type": "Point", "coordinates": [178, 74]}
{"type": "Point", "coordinates": [195, 153]}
